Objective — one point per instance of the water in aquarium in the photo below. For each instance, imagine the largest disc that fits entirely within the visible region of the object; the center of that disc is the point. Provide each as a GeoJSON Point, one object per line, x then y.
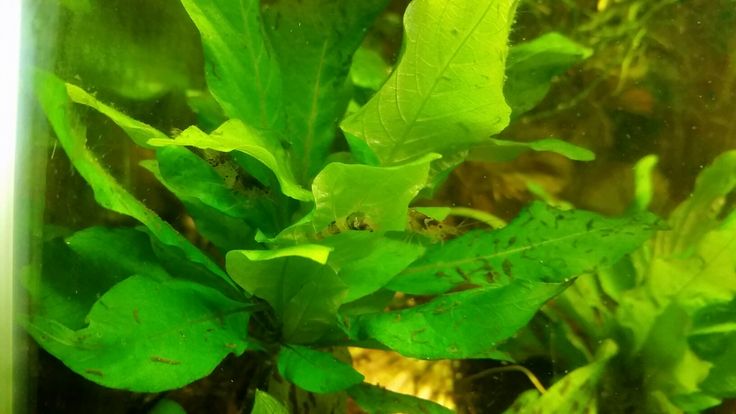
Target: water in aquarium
{"type": "Point", "coordinates": [378, 206]}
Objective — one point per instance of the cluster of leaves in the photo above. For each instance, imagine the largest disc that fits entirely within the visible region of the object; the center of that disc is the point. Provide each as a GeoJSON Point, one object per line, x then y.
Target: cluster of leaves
{"type": "Point", "coordinates": [668, 308]}
{"type": "Point", "coordinates": [316, 241]}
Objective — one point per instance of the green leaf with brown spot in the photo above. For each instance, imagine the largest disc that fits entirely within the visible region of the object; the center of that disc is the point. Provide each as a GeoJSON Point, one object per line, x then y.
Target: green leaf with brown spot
{"type": "Point", "coordinates": [540, 244]}
{"type": "Point", "coordinates": [467, 324]}
{"type": "Point", "coordinates": [149, 335]}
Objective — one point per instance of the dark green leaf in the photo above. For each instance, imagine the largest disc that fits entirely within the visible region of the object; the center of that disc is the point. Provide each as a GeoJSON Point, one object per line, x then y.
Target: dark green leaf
{"type": "Point", "coordinates": [80, 269]}
{"type": "Point", "coordinates": [316, 371]}
{"type": "Point", "coordinates": [531, 67]}
{"type": "Point", "coordinates": [296, 282]}
{"type": "Point", "coordinates": [467, 324]}
{"type": "Point", "coordinates": [109, 193]}
{"type": "Point", "coordinates": [376, 400]}
{"type": "Point", "coordinates": [242, 72]}
{"type": "Point", "coordinates": [192, 179]}
{"type": "Point", "coordinates": [266, 404]}
{"type": "Point", "coordinates": [713, 338]}
{"type": "Point", "coordinates": [447, 90]}
{"type": "Point", "coordinates": [148, 335]}
{"type": "Point", "coordinates": [314, 42]}
{"type": "Point", "coordinates": [155, 52]}
{"type": "Point", "coordinates": [541, 244]}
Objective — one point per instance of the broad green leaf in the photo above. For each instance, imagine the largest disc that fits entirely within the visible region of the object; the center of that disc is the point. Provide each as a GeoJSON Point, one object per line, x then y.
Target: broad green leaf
{"type": "Point", "coordinates": [531, 67]}
{"type": "Point", "coordinates": [147, 335]}
{"type": "Point", "coordinates": [266, 404]}
{"type": "Point", "coordinates": [575, 393]}
{"type": "Point", "coordinates": [234, 135]}
{"type": "Point", "coordinates": [498, 150]}
{"type": "Point", "coordinates": [303, 291]}
{"type": "Point", "coordinates": [446, 92]}
{"type": "Point", "coordinates": [167, 406]}
{"type": "Point", "coordinates": [242, 72]}
{"type": "Point", "coordinates": [366, 261]}
{"type": "Point", "coordinates": [77, 270]}
{"type": "Point", "coordinates": [541, 244]}
{"type": "Point", "coordinates": [316, 371]}
{"type": "Point", "coordinates": [138, 131]}
{"type": "Point", "coordinates": [368, 69]}
{"type": "Point", "coordinates": [376, 198]}
{"type": "Point", "coordinates": [467, 324]}
{"type": "Point", "coordinates": [376, 400]}
{"type": "Point", "coordinates": [314, 42]}
{"type": "Point", "coordinates": [52, 95]}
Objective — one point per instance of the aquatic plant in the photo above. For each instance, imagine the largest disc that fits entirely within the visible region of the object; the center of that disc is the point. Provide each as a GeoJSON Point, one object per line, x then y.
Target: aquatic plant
{"type": "Point", "coordinates": [303, 175]}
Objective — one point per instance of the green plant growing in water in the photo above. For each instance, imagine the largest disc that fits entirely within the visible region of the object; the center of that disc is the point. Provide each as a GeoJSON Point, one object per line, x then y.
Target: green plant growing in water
{"type": "Point", "coordinates": [316, 241]}
{"type": "Point", "coordinates": [654, 333]}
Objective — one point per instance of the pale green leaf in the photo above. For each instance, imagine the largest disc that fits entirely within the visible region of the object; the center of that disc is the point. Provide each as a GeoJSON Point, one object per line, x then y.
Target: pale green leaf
{"type": "Point", "coordinates": [692, 219]}
{"type": "Point", "coordinates": [643, 185]}
{"type": "Point", "coordinates": [304, 292]}
{"type": "Point", "coordinates": [138, 131]}
{"type": "Point", "coordinates": [446, 92]}
{"type": "Point", "coordinates": [234, 135]}
{"type": "Point", "coordinates": [377, 196]}
{"type": "Point", "coordinates": [315, 371]}
{"type": "Point", "coordinates": [366, 261]}
{"type": "Point", "coordinates": [266, 404]}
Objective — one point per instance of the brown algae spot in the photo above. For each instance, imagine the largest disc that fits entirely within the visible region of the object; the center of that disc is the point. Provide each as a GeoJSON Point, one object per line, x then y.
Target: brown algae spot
{"type": "Point", "coordinates": [93, 371]}
{"type": "Point", "coordinates": [164, 360]}
{"type": "Point", "coordinates": [136, 317]}
{"type": "Point", "coordinates": [507, 265]}
{"type": "Point", "coordinates": [231, 346]}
